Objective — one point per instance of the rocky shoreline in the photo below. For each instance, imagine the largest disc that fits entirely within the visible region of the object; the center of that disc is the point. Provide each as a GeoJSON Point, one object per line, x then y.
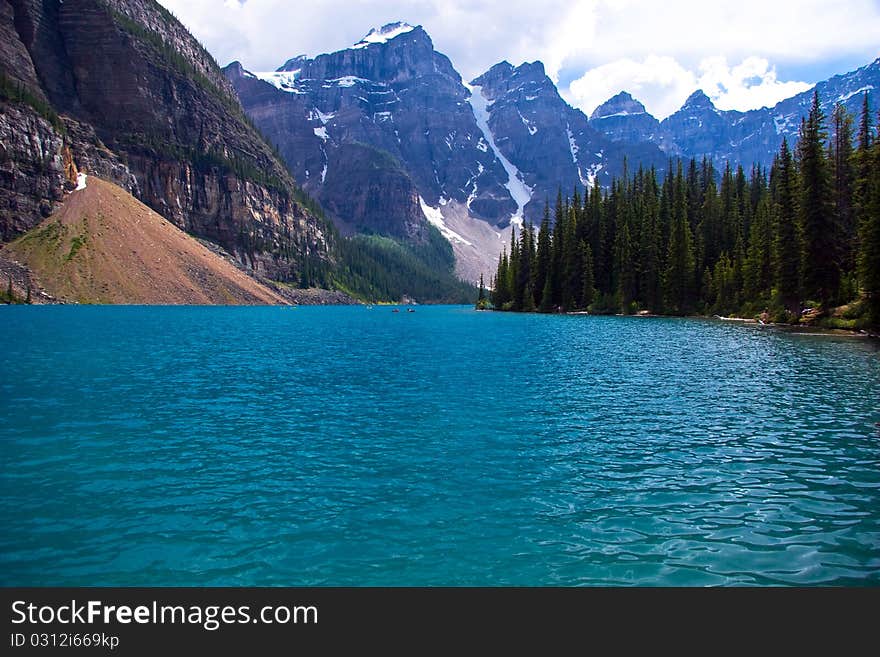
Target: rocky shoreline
{"type": "Point", "coordinates": [802, 329]}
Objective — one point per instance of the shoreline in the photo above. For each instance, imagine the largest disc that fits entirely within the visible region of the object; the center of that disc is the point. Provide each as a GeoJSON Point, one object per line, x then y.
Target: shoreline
{"type": "Point", "coordinates": [794, 329]}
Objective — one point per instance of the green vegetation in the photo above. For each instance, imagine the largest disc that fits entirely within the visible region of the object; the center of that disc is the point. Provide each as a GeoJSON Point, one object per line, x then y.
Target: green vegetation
{"type": "Point", "coordinates": [16, 92]}
{"type": "Point", "coordinates": [375, 268]}
{"type": "Point", "coordinates": [483, 302]}
{"type": "Point", "coordinates": [204, 162]}
{"type": "Point", "coordinates": [806, 236]}
{"type": "Point", "coordinates": [8, 296]}
{"type": "Point", "coordinates": [76, 244]}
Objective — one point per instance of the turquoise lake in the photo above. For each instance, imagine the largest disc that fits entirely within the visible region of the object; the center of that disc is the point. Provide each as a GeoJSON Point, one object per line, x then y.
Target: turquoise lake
{"type": "Point", "coordinates": [346, 446]}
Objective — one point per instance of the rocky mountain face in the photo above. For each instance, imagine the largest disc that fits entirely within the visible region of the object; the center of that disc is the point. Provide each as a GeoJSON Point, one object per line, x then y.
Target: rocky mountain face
{"type": "Point", "coordinates": [700, 129]}
{"type": "Point", "coordinates": [120, 89]}
{"type": "Point", "coordinates": [394, 94]}
{"type": "Point", "coordinates": [383, 135]}
{"type": "Point", "coordinates": [389, 138]}
{"type": "Point", "coordinates": [624, 119]}
{"type": "Point", "coordinates": [548, 143]}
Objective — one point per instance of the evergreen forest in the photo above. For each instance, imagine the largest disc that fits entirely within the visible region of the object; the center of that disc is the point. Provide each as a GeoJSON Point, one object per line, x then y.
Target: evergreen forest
{"type": "Point", "coordinates": [798, 242]}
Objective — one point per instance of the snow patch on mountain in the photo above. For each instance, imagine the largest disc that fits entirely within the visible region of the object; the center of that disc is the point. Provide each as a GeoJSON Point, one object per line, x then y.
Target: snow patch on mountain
{"type": "Point", "coordinates": [324, 118]}
{"type": "Point", "coordinates": [519, 191]}
{"type": "Point", "coordinates": [846, 97]}
{"type": "Point", "coordinates": [572, 146]}
{"type": "Point", "coordinates": [435, 218]}
{"type": "Point", "coordinates": [574, 149]}
{"type": "Point", "coordinates": [344, 81]}
{"type": "Point", "coordinates": [283, 80]}
{"type": "Point", "coordinates": [533, 130]}
{"type": "Point", "coordinates": [384, 34]}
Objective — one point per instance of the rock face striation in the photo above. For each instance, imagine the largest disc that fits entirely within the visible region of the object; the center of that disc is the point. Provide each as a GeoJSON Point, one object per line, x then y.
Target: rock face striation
{"type": "Point", "coordinates": [120, 89]}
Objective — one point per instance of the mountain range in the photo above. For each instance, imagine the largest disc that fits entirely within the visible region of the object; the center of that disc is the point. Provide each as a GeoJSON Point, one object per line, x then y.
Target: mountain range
{"type": "Point", "coordinates": [389, 138]}
{"type": "Point", "coordinates": [373, 170]}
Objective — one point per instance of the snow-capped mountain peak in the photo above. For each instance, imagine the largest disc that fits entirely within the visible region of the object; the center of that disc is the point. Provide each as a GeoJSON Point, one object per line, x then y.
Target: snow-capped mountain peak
{"type": "Point", "coordinates": [384, 34]}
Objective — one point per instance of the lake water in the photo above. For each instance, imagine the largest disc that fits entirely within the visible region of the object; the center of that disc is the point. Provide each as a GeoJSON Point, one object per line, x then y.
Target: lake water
{"type": "Point", "coordinates": [346, 446]}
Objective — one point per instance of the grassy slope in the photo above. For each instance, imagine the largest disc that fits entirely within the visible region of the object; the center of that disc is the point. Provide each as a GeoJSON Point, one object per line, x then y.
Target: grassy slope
{"type": "Point", "coordinates": [104, 246]}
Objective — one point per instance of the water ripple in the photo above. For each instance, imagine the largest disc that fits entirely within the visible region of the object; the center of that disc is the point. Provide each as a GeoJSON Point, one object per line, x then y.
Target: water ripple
{"type": "Point", "coordinates": [336, 446]}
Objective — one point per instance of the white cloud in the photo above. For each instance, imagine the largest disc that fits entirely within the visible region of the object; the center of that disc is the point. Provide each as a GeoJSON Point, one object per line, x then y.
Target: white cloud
{"type": "Point", "coordinates": [623, 39]}
{"type": "Point", "coordinates": [663, 84]}
{"type": "Point", "coordinates": [749, 85]}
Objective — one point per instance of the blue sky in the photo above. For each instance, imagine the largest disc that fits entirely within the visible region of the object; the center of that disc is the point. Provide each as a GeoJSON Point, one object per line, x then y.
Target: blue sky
{"type": "Point", "coordinates": [744, 54]}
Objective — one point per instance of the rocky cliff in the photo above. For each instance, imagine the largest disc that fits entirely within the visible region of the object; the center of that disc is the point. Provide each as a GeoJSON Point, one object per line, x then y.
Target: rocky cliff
{"type": "Point", "coordinates": [120, 89]}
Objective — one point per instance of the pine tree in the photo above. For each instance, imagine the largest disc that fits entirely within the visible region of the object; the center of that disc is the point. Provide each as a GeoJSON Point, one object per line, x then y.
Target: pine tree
{"type": "Point", "coordinates": [843, 178]}
{"type": "Point", "coordinates": [481, 297]}
{"type": "Point", "coordinates": [862, 174]}
{"type": "Point", "coordinates": [786, 245]}
{"type": "Point", "coordinates": [694, 195]}
{"type": "Point", "coordinates": [588, 291]}
{"type": "Point", "coordinates": [543, 261]}
{"type": "Point", "coordinates": [501, 294]}
{"type": "Point", "coordinates": [649, 290]}
{"type": "Point", "coordinates": [678, 279]}
{"type": "Point", "coordinates": [625, 264]}
{"type": "Point", "coordinates": [557, 266]}
{"type": "Point", "coordinates": [756, 269]}
{"type": "Point", "coordinates": [513, 272]}
{"type": "Point", "coordinates": [710, 227]}
{"type": "Point", "coordinates": [9, 295]}
{"type": "Point", "coordinates": [571, 265]}
{"type": "Point", "coordinates": [821, 274]}
{"type": "Point", "coordinates": [869, 236]}
{"type": "Point", "coordinates": [724, 281]}
{"type": "Point", "coordinates": [547, 297]}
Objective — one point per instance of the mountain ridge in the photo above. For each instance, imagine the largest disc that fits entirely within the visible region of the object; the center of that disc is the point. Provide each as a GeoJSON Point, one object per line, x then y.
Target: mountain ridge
{"type": "Point", "coordinates": [517, 146]}
{"type": "Point", "coordinates": [741, 137]}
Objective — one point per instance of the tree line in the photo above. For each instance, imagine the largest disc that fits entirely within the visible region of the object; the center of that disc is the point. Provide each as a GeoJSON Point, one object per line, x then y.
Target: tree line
{"type": "Point", "coordinates": [801, 237]}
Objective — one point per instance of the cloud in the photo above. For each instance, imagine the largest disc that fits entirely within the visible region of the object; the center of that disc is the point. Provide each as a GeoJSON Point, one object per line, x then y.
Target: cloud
{"type": "Point", "coordinates": [663, 84]}
{"type": "Point", "coordinates": [750, 84]}
{"type": "Point", "coordinates": [661, 46]}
